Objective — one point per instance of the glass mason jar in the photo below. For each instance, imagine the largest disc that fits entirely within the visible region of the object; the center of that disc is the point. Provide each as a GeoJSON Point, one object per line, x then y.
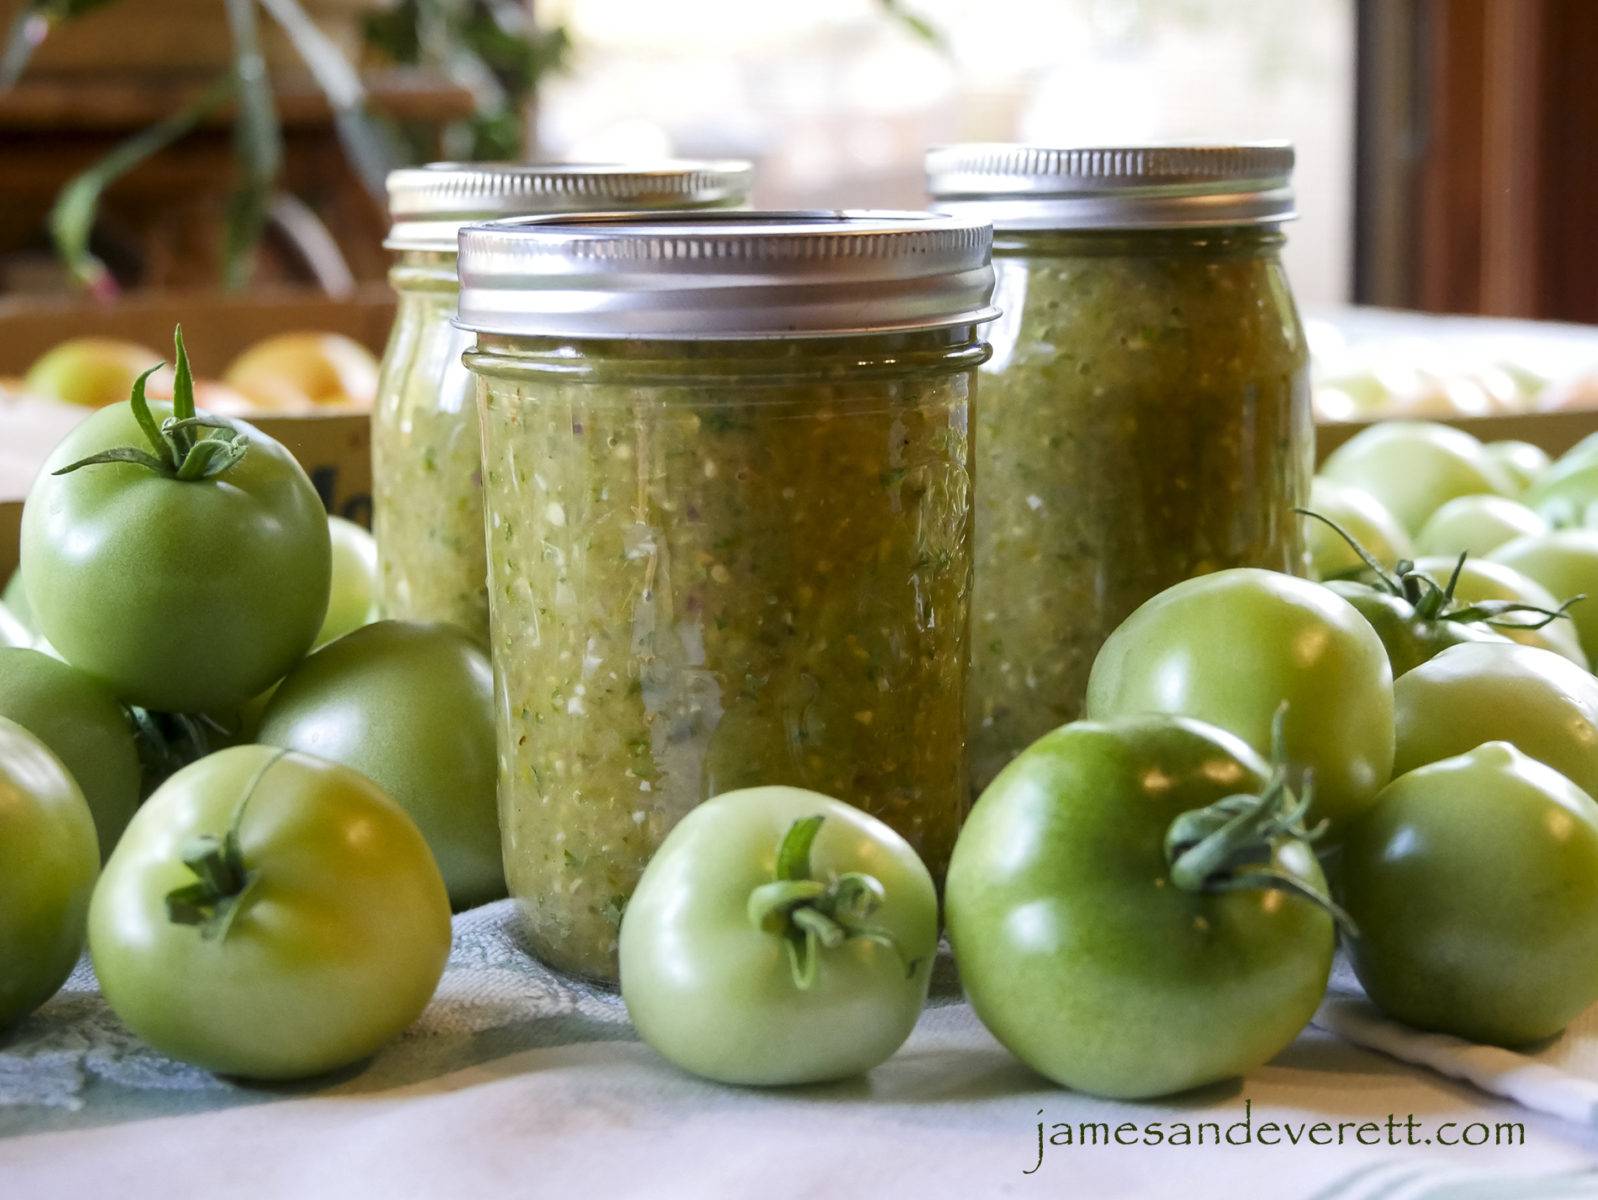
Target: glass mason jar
{"type": "Point", "coordinates": [728, 484]}
{"type": "Point", "coordinates": [1145, 415]}
{"type": "Point", "coordinates": [426, 479]}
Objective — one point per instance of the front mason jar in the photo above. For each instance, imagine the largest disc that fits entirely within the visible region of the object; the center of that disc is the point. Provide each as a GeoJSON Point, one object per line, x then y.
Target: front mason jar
{"type": "Point", "coordinates": [1145, 415]}
{"type": "Point", "coordinates": [426, 475]}
{"type": "Point", "coordinates": [729, 556]}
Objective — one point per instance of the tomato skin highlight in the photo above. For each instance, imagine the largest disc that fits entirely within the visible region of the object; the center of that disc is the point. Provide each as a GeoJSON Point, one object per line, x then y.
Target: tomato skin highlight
{"type": "Point", "coordinates": [1232, 647]}
{"type": "Point", "coordinates": [1078, 952]}
{"type": "Point", "coordinates": [49, 857]}
{"type": "Point", "coordinates": [336, 946]}
{"type": "Point", "coordinates": [716, 996]}
{"type": "Point", "coordinates": [1474, 884]}
{"type": "Point", "coordinates": [180, 596]}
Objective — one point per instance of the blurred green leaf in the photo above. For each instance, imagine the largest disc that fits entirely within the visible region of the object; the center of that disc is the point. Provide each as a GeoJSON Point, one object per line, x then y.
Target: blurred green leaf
{"type": "Point", "coordinates": [258, 143]}
{"type": "Point", "coordinates": [370, 148]}
{"type": "Point", "coordinates": [917, 25]}
{"type": "Point", "coordinates": [491, 48]}
{"type": "Point", "coordinates": [72, 218]}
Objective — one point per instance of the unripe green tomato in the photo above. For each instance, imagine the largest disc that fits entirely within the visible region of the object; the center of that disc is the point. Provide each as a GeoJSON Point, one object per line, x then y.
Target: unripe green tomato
{"type": "Point", "coordinates": [48, 860]}
{"type": "Point", "coordinates": [329, 939]}
{"type": "Point", "coordinates": [352, 599]}
{"type": "Point", "coordinates": [180, 595]}
{"type": "Point", "coordinates": [15, 598]}
{"type": "Point", "coordinates": [1232, 647]}
{"type": "Point", "coordinates": [720, 995]}
{"type": "Point", "coordinates": [1521, 461]}
{"type": "Point", "coordinates": [13, 633]}
{"type": "Point", "coordinates": [1079, 946]}
{"type": "Point", "coordinates": [1473, 882]}
{"type": "Point", "coordinates": [1364, 518]}
{"type": "Point", "coordinates": [410, 705]}
{"type": "Point", "coordinates": [83, 725]}
{"type": "Point", "coordinates": [1476, 525]}
{"type": "Point", "coordinates": [1413, 468]}
{"type": "Point", "coordinates": [1566, 563]}
{"type": "Point", "coordinates": [1490, 692]}
{"type": "Point", "coordinates": [1566, 491]}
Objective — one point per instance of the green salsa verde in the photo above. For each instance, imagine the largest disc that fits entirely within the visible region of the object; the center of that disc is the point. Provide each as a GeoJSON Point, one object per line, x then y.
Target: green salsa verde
{"type": "Point", "coordinates": [715, 566]}
{"type": "Point", "coordinates": [427, 493]}
{"type": "Point", "coordinates": [1145, 415]}
{"type": "Point", "coordinates": [1144, 418]}
{"type": "Point", "coordinates": [426, 473]}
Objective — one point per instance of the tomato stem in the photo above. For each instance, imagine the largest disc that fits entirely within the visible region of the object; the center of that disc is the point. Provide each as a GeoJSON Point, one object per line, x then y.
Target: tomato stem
{"type": "Point", "coordinates": [181, 451]}
{"type": "Point", "coordinates": [223, 880]}
{"type": "Point", "coordinates": [1231, 845]}
{"type": "Point", "coordinates": [1432, 601]}
{"type": "Point", "coordinates": [811, 915]}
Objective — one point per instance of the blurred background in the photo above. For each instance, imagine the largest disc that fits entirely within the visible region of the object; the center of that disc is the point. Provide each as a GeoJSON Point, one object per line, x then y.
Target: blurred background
{"type": "Point", "coordinates": [1445, 146]}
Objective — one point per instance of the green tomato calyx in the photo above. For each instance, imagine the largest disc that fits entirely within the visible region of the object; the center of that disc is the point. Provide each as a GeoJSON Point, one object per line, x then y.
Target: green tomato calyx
{"type": "Point", "coordinates": [181, 450]}
{"type": "Point", "coordinates": [811, 915]}
{"type": "Point", "coordinates": [222, 882]}
{"type": "Point", "coordinates": [1432, 601]}
{"type": "Point", "coordinates": [222, 879]}
{"type": "Point", "coordinates": [1231, 845]}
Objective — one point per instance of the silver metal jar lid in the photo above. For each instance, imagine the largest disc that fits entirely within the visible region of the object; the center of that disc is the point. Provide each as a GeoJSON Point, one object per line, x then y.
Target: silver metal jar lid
{"type": "Point", "coordinates": [743, 274]}
{"type": "Point", "coordinates": [1176, 186]}
{"type": "Point", "coordinates": [428, 205]}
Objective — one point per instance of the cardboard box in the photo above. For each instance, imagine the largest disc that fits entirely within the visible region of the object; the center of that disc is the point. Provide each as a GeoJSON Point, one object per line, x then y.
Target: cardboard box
{"type": "Point", "coordinates": [334, 447]}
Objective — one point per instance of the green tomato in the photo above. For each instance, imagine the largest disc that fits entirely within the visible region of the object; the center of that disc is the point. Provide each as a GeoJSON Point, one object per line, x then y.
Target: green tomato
{"type": "Point", "coordinates": [1566, 493]}
{"type": "Point", "coordinates": [322, 935]}
{"type": "Point", "coordinates": [1414, 467]}
{"type": "Point", "coordinates": [1521, 461]}
{"type": "Point", "coordinates": [1584, 451]}
{"type": "Point", "coordinates": [187, 582]}
{"type": "Point", "coordinates": [1409, 637]}
{"type": "Point", "coordinates": [48, 861]}
{"type": "Point", "coordinates": [1474, 884]}
{"type": "Point", "coordinates": [1477, 525]}
{"type": "Point", "coordinates": [91, 371]}
{"type": "Point", "coordinates": [411, 706]}
{"type": "Point", "coordinates": [1095, 955]}
{"type": "Point", "coordinates": [1365, 520]}
{"type": "Point", "coordinates": [1233, 647]}
{"type": "Point", "coordinates": [353, 597]}
{"type": "Point", "coordinates": [1542, 703]}
{"type": "Point", "coordinates": [726, 965]}
{"type": "Point", "coordinates": [12, 631]}
{"type": "Point", "coordinates": [1566, 563]}
{"type": "Point", "coordinates": [83, 726]}
{"type": "Point", "coordinates": [15, 598]}
{"type": "Point", "coordinates": [1481, 580]}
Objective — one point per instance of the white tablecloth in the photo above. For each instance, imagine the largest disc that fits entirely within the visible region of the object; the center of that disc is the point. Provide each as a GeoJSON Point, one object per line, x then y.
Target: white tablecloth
{"type": "Point", "coordinates": [519, 1083]}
